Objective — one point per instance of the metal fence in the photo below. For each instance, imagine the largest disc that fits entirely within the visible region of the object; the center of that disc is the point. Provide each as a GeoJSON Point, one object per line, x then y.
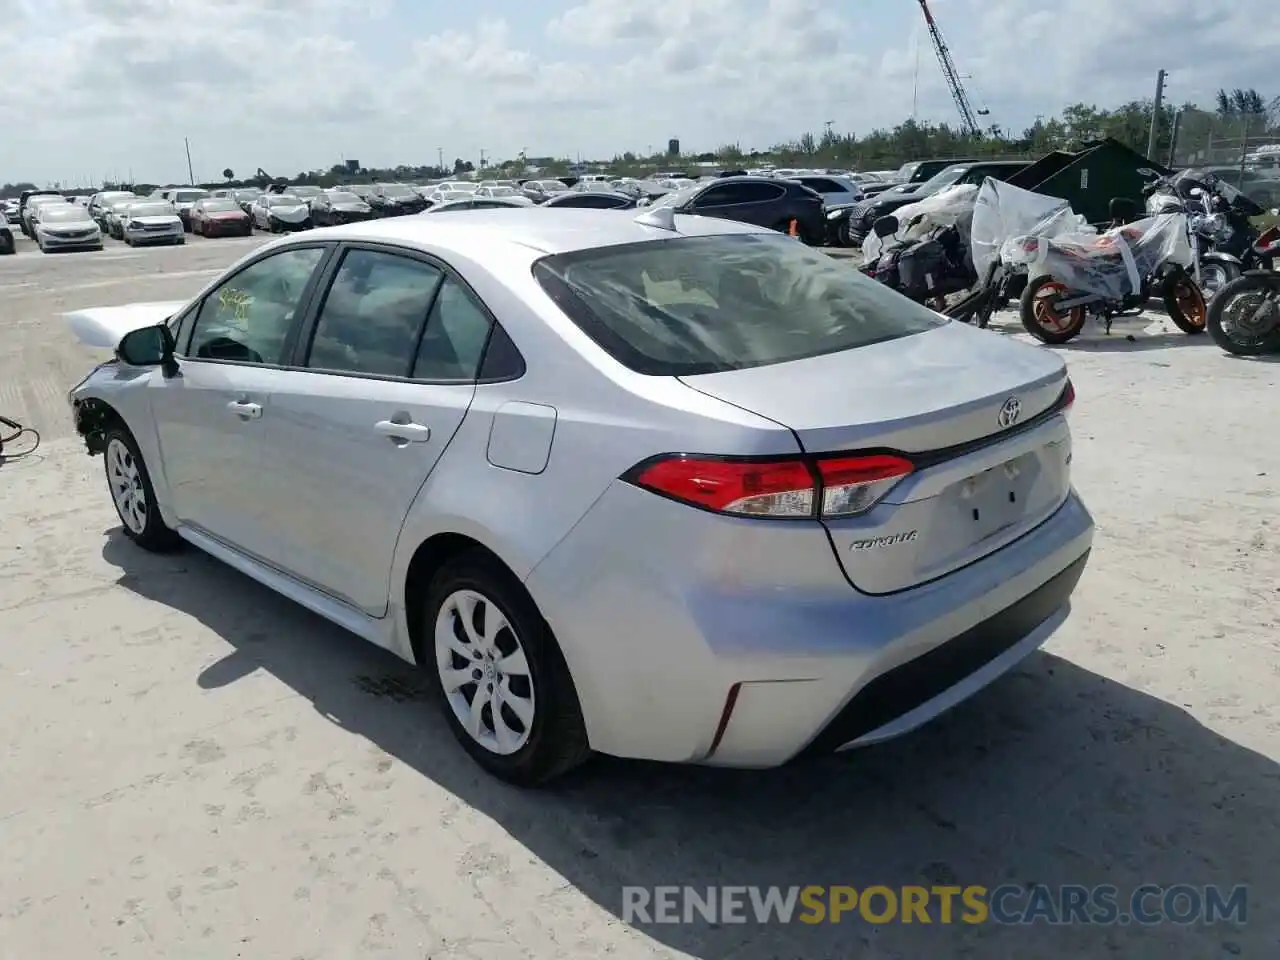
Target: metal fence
{"type": "Point", "coordinates": [1243, 150]}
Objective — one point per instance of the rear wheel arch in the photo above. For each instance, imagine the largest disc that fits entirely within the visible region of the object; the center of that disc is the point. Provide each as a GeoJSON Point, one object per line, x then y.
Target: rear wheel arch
{"type": "Point", "coordinates": [558, 742]}
{"type": "Point", "coordinates": [428, 559]}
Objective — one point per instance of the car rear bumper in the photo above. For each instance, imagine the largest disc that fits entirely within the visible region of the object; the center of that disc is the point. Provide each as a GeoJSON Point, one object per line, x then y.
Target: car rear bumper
{"type": "Point", "coordinates": [708, 639]}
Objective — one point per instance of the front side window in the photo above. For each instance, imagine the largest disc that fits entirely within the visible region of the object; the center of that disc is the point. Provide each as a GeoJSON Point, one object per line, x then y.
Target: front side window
{"type": "Point", "coordinates": [247, 318]}
{"type": "Point", "coordinates": [373, 314]}
{"type": "Point", "coordinates": [707, 304]}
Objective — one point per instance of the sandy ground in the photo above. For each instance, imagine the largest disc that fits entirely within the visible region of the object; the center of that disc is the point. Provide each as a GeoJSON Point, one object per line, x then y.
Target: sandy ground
{"type": "Point", "coordinates": [195, 768]}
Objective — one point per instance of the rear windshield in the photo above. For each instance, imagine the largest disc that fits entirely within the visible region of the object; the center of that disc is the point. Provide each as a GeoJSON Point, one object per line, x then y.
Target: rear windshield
{"type": "Point", "coordinates": [708, 304]}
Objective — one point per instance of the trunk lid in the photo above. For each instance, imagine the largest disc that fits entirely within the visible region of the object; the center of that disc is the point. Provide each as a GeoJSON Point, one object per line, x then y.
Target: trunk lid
{"type": "Point", "coordinates": [980, 482]}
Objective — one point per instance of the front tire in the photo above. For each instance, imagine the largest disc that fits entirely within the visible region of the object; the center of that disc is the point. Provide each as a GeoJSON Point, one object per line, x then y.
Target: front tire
{"type": "Point", "coordinates": [1239, 322]}
{"type": "Point", "coordinates": [1184, 302]}
{"type": "Point", "coordinates": [132, 493]}
{"type": "Point", "coordinates": [1041, 317]}
{"type": "Point", "coordinates": [503, 684]}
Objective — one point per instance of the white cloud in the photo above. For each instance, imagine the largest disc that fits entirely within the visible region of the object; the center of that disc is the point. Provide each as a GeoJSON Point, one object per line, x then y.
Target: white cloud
{"type": "Point", "coordinates": [99, 87]}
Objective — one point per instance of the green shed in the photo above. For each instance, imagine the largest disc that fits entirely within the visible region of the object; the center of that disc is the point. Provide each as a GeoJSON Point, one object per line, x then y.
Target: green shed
{"type": "Point", "coordinates": [1090, 177]}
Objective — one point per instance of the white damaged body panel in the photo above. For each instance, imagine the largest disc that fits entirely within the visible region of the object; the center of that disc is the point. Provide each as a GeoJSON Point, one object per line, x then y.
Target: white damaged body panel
{"type": "Point", "coordinates": [105, 326]}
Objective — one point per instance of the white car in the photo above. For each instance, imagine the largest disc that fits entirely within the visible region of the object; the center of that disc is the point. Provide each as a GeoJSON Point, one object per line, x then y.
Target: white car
{"type": "Point", "coordinates": [834, 190]}
{"type": "Point", "coordinates": [280, 212]}
{"type": "Point", "coordinates": [66, 226]}
{"type": "Point", "coordinates": [570, 464]}
{"type": "Point", "coordinates": [148, 222]}
{"type": "Point", "coordinates": [503, 193]}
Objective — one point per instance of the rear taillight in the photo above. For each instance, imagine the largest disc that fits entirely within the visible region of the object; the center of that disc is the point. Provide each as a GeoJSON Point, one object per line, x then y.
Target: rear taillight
{"type": "Point", "coordinates": [853, 485]}
{"type": "Point", "coordinates": [785, 489]}
{"type": "Point", "coordinates": [1068, 396]}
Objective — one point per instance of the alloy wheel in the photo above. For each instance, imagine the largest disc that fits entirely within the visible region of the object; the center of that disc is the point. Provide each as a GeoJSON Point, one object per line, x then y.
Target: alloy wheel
{"type": "Point", "coordinates": [484, 672]}
{"type": "Point", "coordinates": [127, 490]}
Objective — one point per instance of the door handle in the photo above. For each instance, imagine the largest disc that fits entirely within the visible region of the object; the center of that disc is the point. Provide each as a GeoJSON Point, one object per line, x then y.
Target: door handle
{"type": "Point", "coordinates": [403, 432]}
{"type": "Point", "coordinates": [245, 410]}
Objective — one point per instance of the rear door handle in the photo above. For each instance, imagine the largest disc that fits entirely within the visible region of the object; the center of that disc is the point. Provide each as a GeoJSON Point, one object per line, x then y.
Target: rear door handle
{"type": "Point", "coordinates": [403, 432]}
{"type": "Point", "coordinates": [245, 409]}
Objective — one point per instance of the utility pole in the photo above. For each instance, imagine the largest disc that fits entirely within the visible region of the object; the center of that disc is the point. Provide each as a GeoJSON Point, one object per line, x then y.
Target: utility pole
{"type": "Point", "coordinates": [482, 158]}
{"type": "Point", "coordinates": [1156, 106]}
{"type": "Point", "coordinates": [440, 157]}
{"type": "Point", "coordinates": [1173, 139]}
{"type": "Point", "coordinates": [191, 177]}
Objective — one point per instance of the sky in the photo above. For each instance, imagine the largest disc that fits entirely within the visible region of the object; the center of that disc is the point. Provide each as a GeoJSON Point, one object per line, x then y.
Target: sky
{"type": "Point", "coordinates": [101, 89]}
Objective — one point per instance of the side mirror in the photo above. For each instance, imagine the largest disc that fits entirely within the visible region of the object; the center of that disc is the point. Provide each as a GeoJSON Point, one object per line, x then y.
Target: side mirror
{"type": "Point", "coordinates": [147, 347]}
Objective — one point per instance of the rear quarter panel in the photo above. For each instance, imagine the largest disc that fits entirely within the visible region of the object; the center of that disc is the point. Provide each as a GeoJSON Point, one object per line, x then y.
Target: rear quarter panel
{"type": "Point", "coordinates": [607, 420]}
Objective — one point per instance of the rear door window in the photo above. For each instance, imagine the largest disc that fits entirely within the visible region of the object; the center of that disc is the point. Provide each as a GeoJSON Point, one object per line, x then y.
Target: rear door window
{"type": "Point", "coordinates": [373, 314]}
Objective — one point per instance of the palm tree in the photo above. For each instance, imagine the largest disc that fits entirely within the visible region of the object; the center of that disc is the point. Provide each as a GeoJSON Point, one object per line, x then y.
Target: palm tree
{"type": "Point", "coordinates": [1241, 103]}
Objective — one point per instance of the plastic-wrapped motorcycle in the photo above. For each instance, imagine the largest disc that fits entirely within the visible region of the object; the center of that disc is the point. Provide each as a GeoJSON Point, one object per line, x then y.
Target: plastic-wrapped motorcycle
{"type": "Point", "coordinates": [1002, 211]}
{"type": "Point", "coordinates": [923, 250]}
{"type": "Point", "coordinates": [1071, 278]}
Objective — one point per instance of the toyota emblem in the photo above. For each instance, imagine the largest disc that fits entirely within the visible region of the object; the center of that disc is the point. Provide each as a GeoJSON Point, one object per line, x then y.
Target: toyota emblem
{"type": "Point", "coordinates": [1009, 413]}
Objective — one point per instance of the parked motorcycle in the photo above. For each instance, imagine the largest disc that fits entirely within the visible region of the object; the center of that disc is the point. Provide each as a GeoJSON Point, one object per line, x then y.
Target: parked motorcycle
{"type": "Point", "coordinates": [1219, 219]}
{"type": "Point", "coordinates": [927, 269]}
{"type": "Point", "coordinates": [1073, 278]}
{"type": "Point", "coordinates": [1244, 318]}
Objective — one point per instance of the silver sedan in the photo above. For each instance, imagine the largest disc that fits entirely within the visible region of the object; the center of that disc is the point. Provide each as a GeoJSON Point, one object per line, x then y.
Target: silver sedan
{"type": "Point", "coordinates": [664, 487]}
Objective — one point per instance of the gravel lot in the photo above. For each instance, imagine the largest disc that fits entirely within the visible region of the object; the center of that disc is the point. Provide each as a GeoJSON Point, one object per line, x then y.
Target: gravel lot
{"type": "Point", "coordinates": [195, 768]}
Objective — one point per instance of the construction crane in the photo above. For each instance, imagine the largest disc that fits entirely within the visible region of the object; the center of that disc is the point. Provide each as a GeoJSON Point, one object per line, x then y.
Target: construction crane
{"type": "Point", "coordinates": [968, 115]}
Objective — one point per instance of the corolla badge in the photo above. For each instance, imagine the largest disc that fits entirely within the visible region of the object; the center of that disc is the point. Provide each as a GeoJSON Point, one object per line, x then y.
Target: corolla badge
{"type": "Point", "coordinates": [1010, 412]}
{"type": "Point", "coordinates": [874, 543]}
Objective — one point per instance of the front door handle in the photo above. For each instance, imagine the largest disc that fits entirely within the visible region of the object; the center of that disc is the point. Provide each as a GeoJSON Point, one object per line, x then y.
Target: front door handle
{"type": "Point", "coordinates": [245, 409]}
{"type": "Point", "coordinates": [403, 432]}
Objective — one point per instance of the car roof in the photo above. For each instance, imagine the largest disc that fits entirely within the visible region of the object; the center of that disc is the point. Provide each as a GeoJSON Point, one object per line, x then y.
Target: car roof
{"type": "Point", "coordinates": [478, 233]}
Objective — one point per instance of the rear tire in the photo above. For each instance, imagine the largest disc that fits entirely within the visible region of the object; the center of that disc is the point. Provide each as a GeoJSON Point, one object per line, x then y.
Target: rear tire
{"type": "Point", "coordinates": [1245, 294]}
{"type": "Point", "coordinates": [1184, 302]}
{"type": "Point", "coordinates": [521, 662]}
{"type": "Point", "coordinates": [1040, 315]}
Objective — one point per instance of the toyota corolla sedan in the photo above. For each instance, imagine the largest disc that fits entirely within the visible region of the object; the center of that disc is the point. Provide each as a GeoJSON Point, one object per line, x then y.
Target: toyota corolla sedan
{"type": "Point", "coordinates": [665, 487]}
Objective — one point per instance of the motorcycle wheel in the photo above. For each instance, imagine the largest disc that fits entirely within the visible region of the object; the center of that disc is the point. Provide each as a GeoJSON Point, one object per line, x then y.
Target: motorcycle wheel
{"type": "Point", "coordinates": [1244, 318]}
{"type": "Point", "coordinates": [1185, 303]}
{"type": "Point", "coordinates": [1041, 316]}
{"type": "Point", "coordinates": [1215, 276]}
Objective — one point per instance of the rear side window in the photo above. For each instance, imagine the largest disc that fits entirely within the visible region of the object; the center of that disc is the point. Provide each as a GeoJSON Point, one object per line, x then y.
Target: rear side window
{"type": "Point", "coordinates": [707, 304]}
{"type": "Point", "coordinates": [455, 337]}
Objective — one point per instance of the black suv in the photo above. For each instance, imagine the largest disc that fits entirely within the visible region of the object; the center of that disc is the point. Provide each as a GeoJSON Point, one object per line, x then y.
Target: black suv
{"type": "Point", "coordinates": [777, 204]}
